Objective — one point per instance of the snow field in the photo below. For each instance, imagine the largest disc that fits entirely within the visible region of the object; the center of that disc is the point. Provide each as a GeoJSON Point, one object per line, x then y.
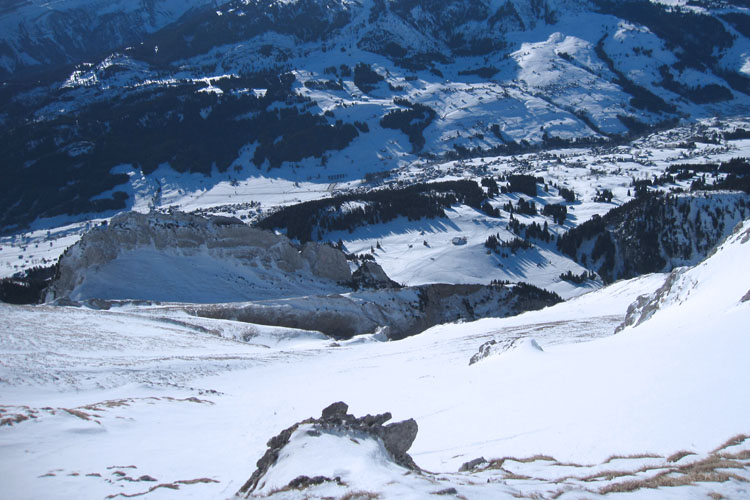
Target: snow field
{"type": "Point", "coordinates": [652, 389]}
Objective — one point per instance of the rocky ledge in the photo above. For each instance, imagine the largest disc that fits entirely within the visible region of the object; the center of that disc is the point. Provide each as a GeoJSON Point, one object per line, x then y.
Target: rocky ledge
{"type": "Point", "coordinates": [396, 438]}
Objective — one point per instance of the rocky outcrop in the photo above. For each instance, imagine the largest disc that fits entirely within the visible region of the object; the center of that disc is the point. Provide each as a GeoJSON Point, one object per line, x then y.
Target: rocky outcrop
{"type": "Point", "coordinates": [371, 275]}
{"type": "Point", "coordinates": [403, 312]}
{"type": "Point", "coordinates": [495, 347]}
{"type": "Point", "coordinates": [397, 438]}
{"type": "Point", "coordinates": [222, 240]}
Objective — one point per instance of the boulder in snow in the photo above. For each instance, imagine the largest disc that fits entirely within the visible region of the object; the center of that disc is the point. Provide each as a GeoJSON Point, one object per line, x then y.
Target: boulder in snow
{"type": "Point", "coordinates": [335, 432]}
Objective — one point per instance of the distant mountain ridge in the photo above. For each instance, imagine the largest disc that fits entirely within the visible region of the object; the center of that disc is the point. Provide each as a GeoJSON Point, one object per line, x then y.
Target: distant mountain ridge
{"type": "Point", "coordinates": [36, 34]}
{"type": "Point", "coordinates": [254, 84]}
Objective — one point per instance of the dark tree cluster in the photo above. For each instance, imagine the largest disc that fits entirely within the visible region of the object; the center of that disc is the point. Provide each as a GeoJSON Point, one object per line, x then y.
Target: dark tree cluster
{"type": "Point", "coordinates": [650, 232]}
{"type": "Point", "coordinates": [411, 121]}
{"type": "Point", "coordinates": [365, 78]}
{"type": "Point", "coordinates": [525, 184]}
{"type": "Point", "coordinates": [739, 133]}
{"type": "Point", "coordinates": [495, 244]}
{"type": "Point", "coordinates": [578, 279]}
{"type": "Point", "coordinates": [534, 294]}
{"type": "Point", "coordinates": [491, 185]}
{"type": "Point", "coordinates": [485, 72]}
{"type": "Point", "coordinates": [27, 287]}
{"type": "Point", "coordinates": [557, 211]}
{"type": "Point", "coordinates": [567, 194]}
{"type": "Point", "coordinates": [324, 85]}
{"type": "Point", "coordinates": [312, 220]}
{"type": "Point", "coordinates": [537, 231]}
{"type": "Point", "coordinates": [530, 231]}
{"type": "Point", "coordinates": [737, 176]}
{"type": "Point", "coordinates": [490, 210]}
{"type": "Point", "coordinates": [604, 196]}
{"type": "Point", "coordinates": [523, 207]}
{"type": "Point", "coordinates": [572, 240]}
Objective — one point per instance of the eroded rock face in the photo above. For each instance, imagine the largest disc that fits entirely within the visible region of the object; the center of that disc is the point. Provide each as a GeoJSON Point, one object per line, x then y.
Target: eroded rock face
{"type": "Point", "coordinates": [371, 275]}
{"type": "Point", "coordinates": [397, 438]}
{"type": "Point", "coordinates": [326, 262]}
{"type": "Point", "coordinates": [404, 311]}
{"type": "Point", "coordinates": [178, 235]}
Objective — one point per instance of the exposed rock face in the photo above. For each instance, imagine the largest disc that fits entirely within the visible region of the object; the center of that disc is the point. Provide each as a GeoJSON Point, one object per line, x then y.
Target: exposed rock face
{"type": "Point", "coordinates": [397, 438]}
{"type": "Point", "coordinates": [405, 311]}
{"type": "Point", "coordinates": [371, 275]}
{"type": "Point", "coordinates": [154, 239]}
{"type": "Point", "coordinates": [496, 347]}
{"type": "Point", "coordinates": [326, 262]}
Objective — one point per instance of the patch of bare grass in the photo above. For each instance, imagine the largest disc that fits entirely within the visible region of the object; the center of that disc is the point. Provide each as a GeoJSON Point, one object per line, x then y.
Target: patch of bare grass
{"type": "Point", "coordinates": [175, 485]}
{"type": "Point", "coordinates": [666, 480]}
{"type": "Point", "coordinates": [740, 455]}
{"type": "Point", "coordinates": [535, 458]}
{"type": "Point", "coordinates": [360, 495]}
{"type": "Point", "coordinates": [511, 476]}
{"type": "Point", "coordinates": [631, 457]}
{"type": "Point", "coordinates": [711, 469]}
{"type": "Point", "coordinates": [677, 456]}
{"type": "Point", "coordinates": [80, 414]}
{"type": "Point", "coordinates": [732, 441]}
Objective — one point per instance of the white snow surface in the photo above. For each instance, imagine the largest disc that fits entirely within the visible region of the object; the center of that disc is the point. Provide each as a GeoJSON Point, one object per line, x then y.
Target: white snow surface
{"type": "Point", "coordinates": [132, 393]}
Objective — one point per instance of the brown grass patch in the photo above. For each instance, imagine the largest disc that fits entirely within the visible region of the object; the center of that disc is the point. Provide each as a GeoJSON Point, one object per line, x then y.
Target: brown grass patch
{"type": "Point", "coordinates": [171, 486]}
{"type": "Point", "coordinates": [14, 419]}
{"type": "Point", "coordinates": [732, 441]}
{"type": "Point", "coordinates": [528, 460]}
{"type": "Point", "coordinates": [360, 495]}
{"type": "Point", "coordinates": [497, 463]}
{"type": "Point", "coordinates": [665, 480]}
{"type": "Point", "coordinates": [740, 455]}
{"type": "Point", "coordinates": [80, 414]}
{"type": "Point", "coordinates": [513, 476]}
{"type": "Point", "coordinates": [202, 480]}
{"type": "Point", "coordinates": [702, 471]}
{"type": "Point", "coordinates": [710, 464]}
{"type": "Point", "coordinates": [607, 475]}
{"type": "Point", "coordinates": [631, 457]}
{"type": "Point", "coordinates": [677, 456]}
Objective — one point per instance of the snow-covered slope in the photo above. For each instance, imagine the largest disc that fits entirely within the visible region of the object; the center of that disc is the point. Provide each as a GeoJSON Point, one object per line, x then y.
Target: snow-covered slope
{"type": "Point", "coordinates": [367, 87]}
{"type": "Point", "coordinates": [649, 411]}
{"type": "Point", "coordinates": [694, 295]}
{"type": "Point", "coordinates": [37, 34]}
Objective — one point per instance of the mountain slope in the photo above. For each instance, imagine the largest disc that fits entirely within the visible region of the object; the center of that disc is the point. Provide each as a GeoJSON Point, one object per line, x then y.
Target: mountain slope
{"type": "Point", "coordinates": [652, 410]}
{"type": "Point", "coordinates": [36, 35]}
{"type": "Point", "coordinates": [363, 88]}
